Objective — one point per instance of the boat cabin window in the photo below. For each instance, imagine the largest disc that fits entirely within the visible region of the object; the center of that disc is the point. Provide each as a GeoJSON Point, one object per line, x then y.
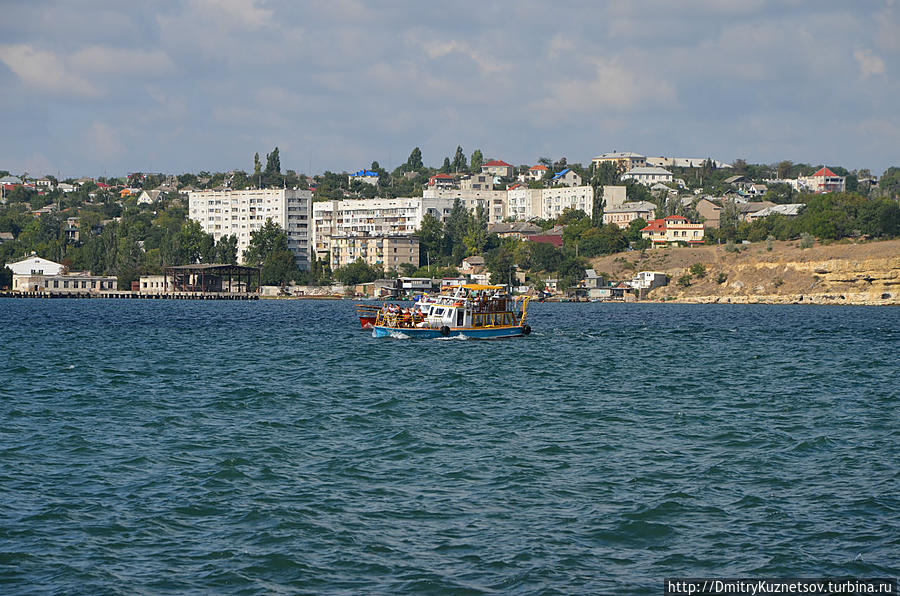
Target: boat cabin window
{"type": "Point", "coordinates": [459, 317]}
{"type": "Point", "coordinates": [438, 312]}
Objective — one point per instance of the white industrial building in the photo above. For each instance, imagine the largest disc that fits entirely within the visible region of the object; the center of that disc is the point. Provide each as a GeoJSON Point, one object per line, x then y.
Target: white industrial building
{"type": "Point", "coordinates": [240, 212]}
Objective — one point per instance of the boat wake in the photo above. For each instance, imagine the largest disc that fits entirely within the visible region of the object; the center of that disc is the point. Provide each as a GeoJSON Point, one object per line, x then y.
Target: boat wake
{"type": "Point", "coordinates": [454, 338]}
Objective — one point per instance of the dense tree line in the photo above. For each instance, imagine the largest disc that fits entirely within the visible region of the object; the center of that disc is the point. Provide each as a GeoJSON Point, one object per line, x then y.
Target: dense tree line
{"type": "Point", "coordinates": [829, 216]}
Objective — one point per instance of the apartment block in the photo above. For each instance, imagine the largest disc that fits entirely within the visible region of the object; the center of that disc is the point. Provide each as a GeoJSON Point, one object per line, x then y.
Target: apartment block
{"type": "Point", "coordinates": [387, 251]}
{"type": "Point", "coordinates": [371, 217]}
{"type": "Point", "coordinates": [241, 212]}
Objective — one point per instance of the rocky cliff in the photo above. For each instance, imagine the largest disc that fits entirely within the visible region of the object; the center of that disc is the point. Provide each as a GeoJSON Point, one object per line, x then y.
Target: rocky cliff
{"type": "Point", "coordinates": [769, 272]}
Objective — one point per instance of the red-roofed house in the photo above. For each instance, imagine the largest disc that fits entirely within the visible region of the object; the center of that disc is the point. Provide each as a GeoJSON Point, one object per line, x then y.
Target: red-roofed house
{"type": "Point", "coordinates": [536, 172]}
{"type": "Point", "coordinates": [553, 239]}
{"type": "Point", "coordinates": [496, 167]}
{"type": "Point", "coordinates": [823, 181]}
{"type": "Point", "coordinates": [673, 229]}
{"type": "Point", "coordinates": [442, 181]}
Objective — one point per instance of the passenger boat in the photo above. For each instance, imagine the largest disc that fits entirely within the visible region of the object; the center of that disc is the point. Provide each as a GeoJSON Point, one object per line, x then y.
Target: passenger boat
{"type": "Point", "coordinates": [367, 314]}
{"type": "Point", "coordinates": [469, 310]}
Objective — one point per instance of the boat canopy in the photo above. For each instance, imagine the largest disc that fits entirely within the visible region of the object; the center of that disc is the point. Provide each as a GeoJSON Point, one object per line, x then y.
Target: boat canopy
{"type": "Point", "coordinates": [479, 287]}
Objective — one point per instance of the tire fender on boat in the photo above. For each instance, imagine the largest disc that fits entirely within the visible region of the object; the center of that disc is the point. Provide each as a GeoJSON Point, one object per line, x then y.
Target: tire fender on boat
{"type": "Point", "coordinates": [445, 331]}
{"type": "Point", "coordinates": [527, 329]}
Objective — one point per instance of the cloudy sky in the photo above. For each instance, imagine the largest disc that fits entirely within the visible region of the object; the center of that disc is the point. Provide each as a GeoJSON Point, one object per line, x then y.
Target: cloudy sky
{"type": "Point", "coordinates": [109, 87]}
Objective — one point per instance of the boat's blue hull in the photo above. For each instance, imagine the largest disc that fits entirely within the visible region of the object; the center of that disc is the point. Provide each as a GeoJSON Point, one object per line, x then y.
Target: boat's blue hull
{"type": "Point", "coordinates": [479, 333]}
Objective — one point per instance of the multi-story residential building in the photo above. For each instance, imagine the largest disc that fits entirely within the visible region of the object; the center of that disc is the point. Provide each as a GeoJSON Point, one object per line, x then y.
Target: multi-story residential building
{"type": "Point", "coordinates": [523, 203]}
{"type": "Point", "coordinates": [241, 212]}
{"type": "Point", "coordinates": [497, 167]}
{"type": "Point", "coordinates": [823, 180]}
{"type": "Point", "coordinates": [492, 201]}
{"type": "Point", "coordinates": [648, 176]}
{"type": "Point", "coordinates": [566, 177]}
{"type": "Point", "coordinates": [373, 217]}
{"type": "Point", "coordinates": [673, 229]}
{"type": "Point", "coordinates": [556, 200]}
{"type": "Point", "coordinates": [388, 251]}
{"type": "Point", "coordinates": [624, 161]}
{"type": "Point", "coordinates": [367, 176]}
{"type": "Point", "coordinates": [623, 215]}
{"type": "Point", "coordinates": [484, 181]}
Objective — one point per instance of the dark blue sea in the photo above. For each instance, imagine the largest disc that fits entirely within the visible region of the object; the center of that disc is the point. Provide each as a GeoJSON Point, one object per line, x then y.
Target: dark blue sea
{"type": "Point", "coordinates": [273, 447]}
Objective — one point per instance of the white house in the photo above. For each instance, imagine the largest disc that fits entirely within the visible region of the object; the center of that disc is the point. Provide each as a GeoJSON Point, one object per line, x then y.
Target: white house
{"type": "Point", "coordinates": [148, 196]}
{"type": "Point", "coordinates": [648, 176]}
{"type": "Point", "coordinates": [535, 173]}
{"type": "Point", "coordinates": [35, 265]}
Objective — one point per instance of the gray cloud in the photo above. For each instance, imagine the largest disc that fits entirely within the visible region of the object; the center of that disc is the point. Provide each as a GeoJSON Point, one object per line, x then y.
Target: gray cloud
{"type": "Point", "coordinates": [203, 84]}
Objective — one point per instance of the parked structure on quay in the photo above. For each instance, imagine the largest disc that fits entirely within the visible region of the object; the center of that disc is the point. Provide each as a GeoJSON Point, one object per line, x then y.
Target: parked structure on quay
{"type": "Point", "coordinates": [35, 274]}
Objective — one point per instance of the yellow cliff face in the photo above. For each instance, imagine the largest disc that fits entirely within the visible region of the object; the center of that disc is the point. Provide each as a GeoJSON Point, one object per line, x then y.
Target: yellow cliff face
{"type": "Point", "coordinates": [839, 273]}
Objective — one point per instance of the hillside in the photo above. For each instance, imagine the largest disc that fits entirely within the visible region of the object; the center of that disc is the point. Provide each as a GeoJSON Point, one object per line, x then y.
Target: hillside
{"type": "Point", "coordinates": [839, 273]}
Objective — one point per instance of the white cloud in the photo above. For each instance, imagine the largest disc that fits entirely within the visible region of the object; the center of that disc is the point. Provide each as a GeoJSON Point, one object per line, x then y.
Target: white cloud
{"type": "Point", "coordinates": [869, 63]}
{"type": "Point", "coordinates": [45, 71]}
{"type": "Point", "coordinates": [104, 60]}
{"type": "Point", "coordinates": [246, 14]}
{"type": "Point", "coordinates": [612, 87]}
{"type": "Point", "coordinates": [103, 141]}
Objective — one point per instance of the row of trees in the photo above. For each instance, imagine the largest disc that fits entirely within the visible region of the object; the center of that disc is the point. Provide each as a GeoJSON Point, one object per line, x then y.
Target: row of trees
{"type": "Point", "coordinates": [829, 216]}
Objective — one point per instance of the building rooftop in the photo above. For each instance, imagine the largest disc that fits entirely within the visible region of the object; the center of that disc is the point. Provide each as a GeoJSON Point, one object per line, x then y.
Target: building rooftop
{"type": "Point", "coordinates": [620, 155]}
{"type": "Point", "coordinates": [496, 162]}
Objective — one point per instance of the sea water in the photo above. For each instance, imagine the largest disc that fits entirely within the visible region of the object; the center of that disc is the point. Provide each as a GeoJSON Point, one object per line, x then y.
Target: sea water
{"type": "Point", "coordinates": [174, 447]}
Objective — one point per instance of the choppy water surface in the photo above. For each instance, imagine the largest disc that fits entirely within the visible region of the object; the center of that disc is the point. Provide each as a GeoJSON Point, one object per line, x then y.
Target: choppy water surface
{"type": "Point", "coordinates": [266, 447]}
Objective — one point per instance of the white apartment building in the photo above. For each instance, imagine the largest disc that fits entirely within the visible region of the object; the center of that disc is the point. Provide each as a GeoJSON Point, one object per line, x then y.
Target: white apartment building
{"type": "Point", "coordinates": [240, 212]}
{"type": "Point", "coordinates": [556, 200]}
{"type": "Point", "coordinates": [523, 203]}
{"type": "Point", "coordinates": [493, 201]}
{"type": "Point", "coordinates": [373, 217]}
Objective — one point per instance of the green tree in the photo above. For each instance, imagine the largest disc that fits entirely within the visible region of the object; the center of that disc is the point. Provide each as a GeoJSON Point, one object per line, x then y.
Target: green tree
{"type": "Point", "coordinates": [633, 233]}
{"type": "Point", "coordinates": [502, 265]}
{"type": "Point", "coordinates": [279, 268]}
{"type": "Point", "coordinates": [257, 167]}
{"type": "Point", "coordinates": [431, 238]}
{"type": "Point", "coordinates": [267, 240]}
{"type": "Point", "coordinates": [476, 232]}
{"type": "Point", "coordinates": [784, 168]}
{"type": "Point", "coordinates": [459, 161]}
{"type": "Point", "coordinates": [455, 228]}
{"type": "Point", "coordinates": [890, 182]}
{"type": "Point", "coordinates": [477, 161]}
{"type": "Point", "coordinates": [358, 272]}
{"type": "Point", "coordinates": [273, 163]}
{"type": "Point", "coordinates": [226, 250]}
{"type": "Point", "coordinates": [414, 162]}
